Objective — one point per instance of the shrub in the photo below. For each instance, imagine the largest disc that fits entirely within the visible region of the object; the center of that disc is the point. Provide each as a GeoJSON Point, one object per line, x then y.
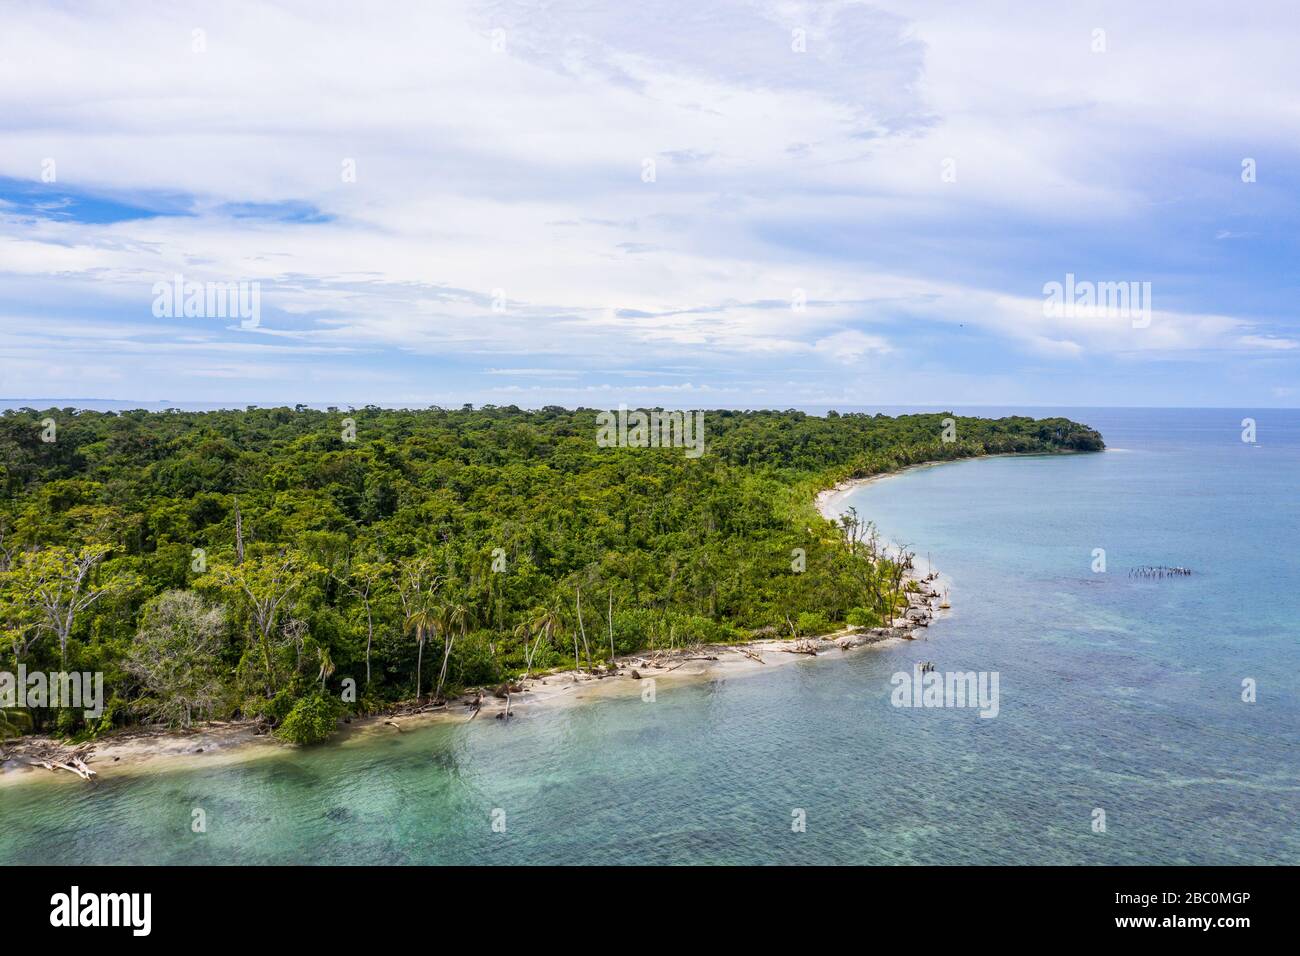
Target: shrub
{"type": "Point", "coordinates": [863, 617]}
{"type": "Point", "coordinates": [697, 629]}
{"type": "Point", "coordinates": [633, 629]}
{"type": "Point", "coordinates": [13, 723]}
{"type": "Point", "coordinates": [472, 662]}
{"type": "Point", "coordinates": [279, 707]}
{"type": "Point", "coordinates": [311, 720]}
{"type": "Point", "coordinates": [812, 623]}
{"type": "Point", "coordinates": [639, 628]}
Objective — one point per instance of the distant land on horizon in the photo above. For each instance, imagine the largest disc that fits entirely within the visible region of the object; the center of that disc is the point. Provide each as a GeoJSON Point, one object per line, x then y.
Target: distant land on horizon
{"type": "Point", "coordinates": [128, 404]}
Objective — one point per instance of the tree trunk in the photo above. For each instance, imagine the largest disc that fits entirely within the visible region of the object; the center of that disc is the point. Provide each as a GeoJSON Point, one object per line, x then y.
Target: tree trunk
{"type": "Point", "coordinates": [442, 676]}
{"type": "Point", "coordinates": [370, 634]}
{"type": "Point", "coordinates": [419, 659]}
{"type": "Point", "coordinates": [583, 630]}
{"type": "Point", "coordinates": [266, 662]}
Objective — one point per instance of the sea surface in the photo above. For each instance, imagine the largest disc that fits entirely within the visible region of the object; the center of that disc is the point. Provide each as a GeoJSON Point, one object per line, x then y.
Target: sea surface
{"type": "Point", "coordinates": [1116, 694]}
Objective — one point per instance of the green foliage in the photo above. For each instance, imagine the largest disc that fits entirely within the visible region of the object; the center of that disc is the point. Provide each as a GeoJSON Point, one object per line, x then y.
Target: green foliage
{"type": "Point", "coordinates": [863, 617]}
{"type": "Point", "coordinates": [812, 623]}
{"type": "Point", "coordinates": [310, 720]}
{"type": "Point", "coordinates": [304, 544]}
{"type": "Point", "coordinates": [698, 629]}
{"type": "Point", "coordinates": [13, 723]}
{"type": "Point", "coordinates": [278, 708]}
{"type": "Point", "coordinates": [635, 628]}
{"type": "Point", "coordinates": [473, 662]}
{"type": "Point", "coordinates": [114, 712]}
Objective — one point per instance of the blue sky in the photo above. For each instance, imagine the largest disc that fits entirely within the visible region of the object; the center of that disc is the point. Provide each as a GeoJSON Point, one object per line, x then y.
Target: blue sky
{"type": "Point", "coordinates": [851, 203]}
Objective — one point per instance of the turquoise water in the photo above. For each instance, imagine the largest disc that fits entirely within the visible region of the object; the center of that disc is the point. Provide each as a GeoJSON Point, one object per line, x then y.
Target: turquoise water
{"type": "Point", "coordinates": [1115, 693]}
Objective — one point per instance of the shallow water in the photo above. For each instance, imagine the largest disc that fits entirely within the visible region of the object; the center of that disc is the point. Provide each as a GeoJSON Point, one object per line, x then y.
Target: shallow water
{"type": "Point", "coordinates": [1115, 694]}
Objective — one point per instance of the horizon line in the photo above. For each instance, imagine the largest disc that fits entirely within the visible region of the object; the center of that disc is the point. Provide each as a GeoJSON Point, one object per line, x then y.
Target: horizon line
{"type": "Point", "coordinates": [164, 404]}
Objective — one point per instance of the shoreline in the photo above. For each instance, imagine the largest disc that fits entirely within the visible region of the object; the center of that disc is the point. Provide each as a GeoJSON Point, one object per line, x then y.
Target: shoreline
{"type": "Point", "coordinates": [139, 749]}
{"type": "Point", "coordinates": [829, 499]}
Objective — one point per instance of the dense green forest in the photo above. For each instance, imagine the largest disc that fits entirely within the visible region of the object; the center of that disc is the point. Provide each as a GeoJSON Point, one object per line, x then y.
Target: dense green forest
{"type": "Point", "coordinates": [219, 564]}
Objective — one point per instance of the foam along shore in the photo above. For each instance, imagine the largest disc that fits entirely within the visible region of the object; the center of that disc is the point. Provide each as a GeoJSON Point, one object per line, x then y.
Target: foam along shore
{"type": "Point", "coordinates": [215, 743]}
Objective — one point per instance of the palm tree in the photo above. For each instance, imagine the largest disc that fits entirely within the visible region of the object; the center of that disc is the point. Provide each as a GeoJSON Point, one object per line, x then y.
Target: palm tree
{"type": "Point", "coordinates": [451, 617]}
{"type": "Point", "coordinates": [423, 619]}
{"type": "Point", "coordinates": [326, 666]}
{"type": "Point", "coordinates": [418, 587]}
{"type": "Point", "coordinates": [546, 623]}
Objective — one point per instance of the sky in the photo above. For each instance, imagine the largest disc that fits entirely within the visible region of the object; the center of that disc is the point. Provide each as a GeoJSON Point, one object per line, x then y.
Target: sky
{"type": "Point", "coordinates": [679, 204]}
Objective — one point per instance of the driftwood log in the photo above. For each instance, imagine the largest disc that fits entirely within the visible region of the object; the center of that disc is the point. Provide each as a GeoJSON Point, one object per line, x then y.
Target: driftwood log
{"type": "Point", "coordinates": [74, 765]}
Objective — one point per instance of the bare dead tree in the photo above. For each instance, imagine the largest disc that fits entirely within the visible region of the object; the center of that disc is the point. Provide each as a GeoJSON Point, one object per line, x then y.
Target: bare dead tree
{"type": "Point", "coordinates": [611, 626]}
{"type": "Point", "coordinates": [56, 584]}
{"type": "Point", "coordinates": [583, 630]}
{"type": "Point", "coordinates": [175, 655]}
{"type": "Point", "coordinates": [295, 632]}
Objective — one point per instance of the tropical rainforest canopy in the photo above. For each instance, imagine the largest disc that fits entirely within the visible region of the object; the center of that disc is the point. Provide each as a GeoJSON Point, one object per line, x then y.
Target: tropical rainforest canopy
{"type": "Point", "coordinates": [252, 563]}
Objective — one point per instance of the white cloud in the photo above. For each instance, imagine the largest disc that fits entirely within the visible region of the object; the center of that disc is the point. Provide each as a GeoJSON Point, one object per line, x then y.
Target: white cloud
{"type": "Point", "coordinates": [521, 171]}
